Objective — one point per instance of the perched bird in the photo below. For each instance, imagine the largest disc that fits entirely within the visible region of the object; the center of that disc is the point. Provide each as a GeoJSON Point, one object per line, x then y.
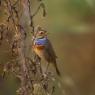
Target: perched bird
{"type": "Point", "coordinates": [43, 48]}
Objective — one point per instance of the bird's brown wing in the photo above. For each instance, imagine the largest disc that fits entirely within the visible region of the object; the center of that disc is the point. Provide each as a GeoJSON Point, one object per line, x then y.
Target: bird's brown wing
{"type": "Point", "coordinates": [50, 55]}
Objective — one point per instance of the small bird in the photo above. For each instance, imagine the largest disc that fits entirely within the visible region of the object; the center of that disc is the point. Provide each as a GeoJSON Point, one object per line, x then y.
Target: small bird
{"type": "Point", "coordinates": [43, 48]}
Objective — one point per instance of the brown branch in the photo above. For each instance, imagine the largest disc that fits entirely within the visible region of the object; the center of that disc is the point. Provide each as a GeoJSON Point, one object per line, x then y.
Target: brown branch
{"type": "Point", "coordinates": [28, 70]}
{"type": "Point", "coordinates": [40, 6]}
{"type": "Point", "coordinates": [11, 16]}
{"type": "Point", "coordinates": [31, 18]}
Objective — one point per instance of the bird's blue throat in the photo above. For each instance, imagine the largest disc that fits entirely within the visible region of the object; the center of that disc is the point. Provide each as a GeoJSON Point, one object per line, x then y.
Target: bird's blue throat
{"type": "Point", "coordinates": [41, 41]}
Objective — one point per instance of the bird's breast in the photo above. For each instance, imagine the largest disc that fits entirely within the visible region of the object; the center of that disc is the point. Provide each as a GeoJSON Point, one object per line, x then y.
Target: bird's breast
{"type": "Point", "coordinates": [39, 49]}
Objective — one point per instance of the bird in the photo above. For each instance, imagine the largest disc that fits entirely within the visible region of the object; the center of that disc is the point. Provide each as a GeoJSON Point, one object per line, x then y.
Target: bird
{"type": "Point", "coordinates": [44, 49]}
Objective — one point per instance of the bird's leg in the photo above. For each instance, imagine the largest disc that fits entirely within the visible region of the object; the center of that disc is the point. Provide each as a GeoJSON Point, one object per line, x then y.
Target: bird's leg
{"type": "Point", "coordinates": [40, 67]}
{"type": "Point", "coordinates": [38, 61]}
{"type": "Point", "coordinates": [47, 68]}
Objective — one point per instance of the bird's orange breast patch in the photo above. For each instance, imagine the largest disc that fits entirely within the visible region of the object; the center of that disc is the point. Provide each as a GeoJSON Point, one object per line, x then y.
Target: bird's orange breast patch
{"type": "Point", "coordinates": [39, 47]}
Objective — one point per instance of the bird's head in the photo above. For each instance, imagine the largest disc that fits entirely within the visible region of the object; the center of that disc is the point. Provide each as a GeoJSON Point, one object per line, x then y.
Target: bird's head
{"type": "Point", "coordinates": [41, 33]}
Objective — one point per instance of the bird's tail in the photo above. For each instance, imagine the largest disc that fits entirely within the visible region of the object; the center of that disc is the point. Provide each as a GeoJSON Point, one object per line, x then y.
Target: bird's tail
{"type": "Point", "coordinates": [57, 70]}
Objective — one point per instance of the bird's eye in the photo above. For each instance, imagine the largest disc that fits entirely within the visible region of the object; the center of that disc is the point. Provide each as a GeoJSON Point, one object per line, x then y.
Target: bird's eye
{"type": "Point", "coordinates": [41, 32]}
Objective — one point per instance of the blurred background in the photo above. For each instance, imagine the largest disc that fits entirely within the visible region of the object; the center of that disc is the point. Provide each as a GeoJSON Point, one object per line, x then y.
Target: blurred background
{"type": "Point", "coordinates": [71, 27]}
